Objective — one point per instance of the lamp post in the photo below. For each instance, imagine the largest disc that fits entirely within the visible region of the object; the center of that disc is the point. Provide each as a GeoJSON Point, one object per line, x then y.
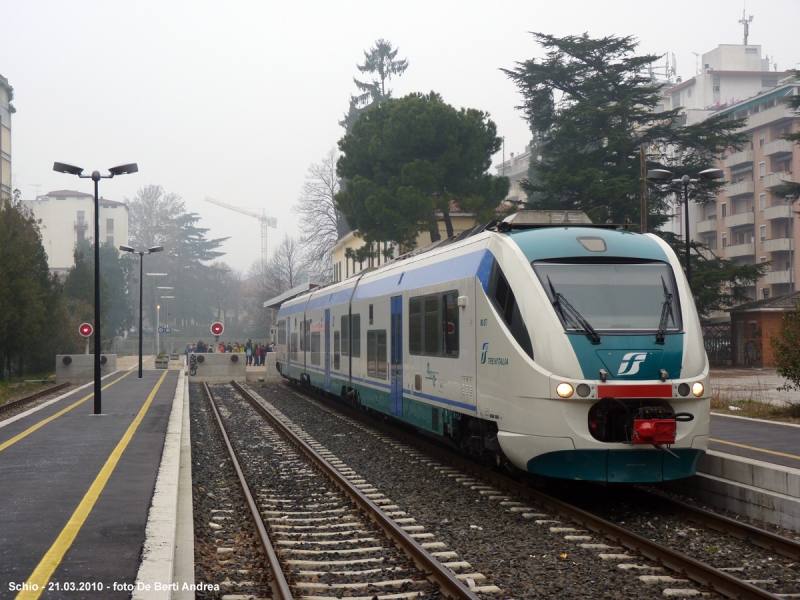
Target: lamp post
{"type": "Point", "coordinates": [141, 254]}
{"type": "Point", "coordinates": [96, 177]}
{"type": "Point", "coordinates": [664, 176]}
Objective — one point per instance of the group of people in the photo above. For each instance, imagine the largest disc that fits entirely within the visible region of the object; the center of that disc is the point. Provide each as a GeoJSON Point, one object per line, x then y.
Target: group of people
{"type": "Point", "coordinates": [256, 353]}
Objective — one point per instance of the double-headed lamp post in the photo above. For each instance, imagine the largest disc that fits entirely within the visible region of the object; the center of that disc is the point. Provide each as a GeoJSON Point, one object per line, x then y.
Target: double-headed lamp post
{"type": "Point", "coordinates": [141, 254]}
{"type": "Point", "coordinates": [664, 176]}
{"type": "Point", "coordinates": [96, 177]}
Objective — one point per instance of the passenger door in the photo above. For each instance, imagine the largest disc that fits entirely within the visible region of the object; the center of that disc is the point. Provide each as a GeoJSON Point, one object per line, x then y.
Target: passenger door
{"type": "Point", "coordinates": [327, 349]}
{"type": "Point", "coordinates": [396, 368]}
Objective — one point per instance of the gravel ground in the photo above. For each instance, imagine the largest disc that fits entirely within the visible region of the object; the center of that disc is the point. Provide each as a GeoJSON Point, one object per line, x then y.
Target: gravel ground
{"type": "Point", "coordinates": [222, 520]}
{"type": "Point", "coordinates": [768, 570]}
{"type": "Point", "coordinates": [524, 558]}
{"type": "Point", "coordinates": [29, 405]}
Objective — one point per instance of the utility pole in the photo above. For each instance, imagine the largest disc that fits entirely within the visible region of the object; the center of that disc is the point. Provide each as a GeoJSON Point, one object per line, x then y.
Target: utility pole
{"type": "Point", "coordinates": [643, 172]}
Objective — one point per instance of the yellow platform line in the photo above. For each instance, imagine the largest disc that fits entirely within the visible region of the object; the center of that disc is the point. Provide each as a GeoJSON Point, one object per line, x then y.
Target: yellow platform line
{"type": "Point", "coordinates": [755, 449]}
{"type": "Point", "coordinates": [44, 422]}
{"type": "Point", "coordinates": [37, 582]}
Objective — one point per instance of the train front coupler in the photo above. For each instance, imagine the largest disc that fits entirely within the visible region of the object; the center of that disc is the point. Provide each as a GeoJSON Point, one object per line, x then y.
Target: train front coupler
{"type": "Point", "coordinates": [655, 426]}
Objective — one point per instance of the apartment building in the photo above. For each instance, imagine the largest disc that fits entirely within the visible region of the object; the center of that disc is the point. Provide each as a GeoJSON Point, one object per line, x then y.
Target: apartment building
{"type": "Point", "coordinates": [6, 110]}
{"type": "Point", "coordinates": [516, 169]}
{"type": "Point", "coordinates": [68, 218]}
{"type": "Point", "coordinates": [751, 221]}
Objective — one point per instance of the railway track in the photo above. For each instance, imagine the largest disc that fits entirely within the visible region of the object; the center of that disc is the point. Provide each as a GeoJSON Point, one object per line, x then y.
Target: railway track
{"type": "Point", "coordinates": [619, 543]}
{"type": "Point", "coordinates": [327, 532]}
{"type": "Point", "coordinates": [21, 402]}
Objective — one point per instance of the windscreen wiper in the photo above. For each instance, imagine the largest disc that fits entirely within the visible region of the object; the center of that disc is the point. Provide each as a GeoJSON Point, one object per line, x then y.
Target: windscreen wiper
{"type": "Point", "coordinates": [666, 311]}
{"type": "Point", "coordinates": [571, 315]}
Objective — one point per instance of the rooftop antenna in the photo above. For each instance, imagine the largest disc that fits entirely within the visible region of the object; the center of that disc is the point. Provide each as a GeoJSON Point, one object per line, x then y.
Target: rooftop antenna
{"type": "Point", "coordinates": [37, 186]}
{"type": "Point", "coordinates": [696, 63]}
{"type": "Point", "coordinates": [746, 22]}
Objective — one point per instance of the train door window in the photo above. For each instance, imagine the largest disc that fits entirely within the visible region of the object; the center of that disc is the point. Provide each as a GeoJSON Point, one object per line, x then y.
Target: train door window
{"type": "Point", "coordinates": [308, 335]}
{"type": "Point", "coordinates": [431, 327]}
{"type": "Point", "coordinates": [450, 324]}
{"type": "Point", "coordinates": [502, 296]}
{"type": "Point", "coordinates": [282, 332]}
{"type": "Point", "coordinates": [370, 314]}
{"type": "Point", "coordinates": [336, 350]}
{"type": "Point", "coordinates": [315, 348]}
{"type": "Point", "coordinates": [346, 335]}
{"type": "Point", "coordinates": [376, 353]}
{"type": "Point", "coordinates": [302, 336]}
{"type": "Point", "coordinates": [355, 330]}
{"type": "Point", "coordinates": [415, 325]}
{"type": "Point", "coordinates": [293, 348]}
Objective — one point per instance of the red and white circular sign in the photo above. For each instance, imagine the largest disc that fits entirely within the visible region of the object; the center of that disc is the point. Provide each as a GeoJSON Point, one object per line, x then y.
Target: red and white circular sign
{"type": "Point", "coordinates": [85, 329]}
{"type": "Point", "coordinates": [217, 328]}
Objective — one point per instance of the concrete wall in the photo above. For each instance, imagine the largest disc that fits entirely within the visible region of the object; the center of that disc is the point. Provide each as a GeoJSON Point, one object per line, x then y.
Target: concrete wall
{"type": "Point", "coordinates": [218, 368]}
{"type": "Point", "coordinates": [81, 367]}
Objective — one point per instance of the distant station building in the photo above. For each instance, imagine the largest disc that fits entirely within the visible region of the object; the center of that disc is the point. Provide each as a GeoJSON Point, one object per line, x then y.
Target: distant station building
{"type": "Point", "coordinates": [6, 110]}
{"type": "Point", "coordinates": [68, 219]}
{"type": "Point", "coordinates": [753, 325]}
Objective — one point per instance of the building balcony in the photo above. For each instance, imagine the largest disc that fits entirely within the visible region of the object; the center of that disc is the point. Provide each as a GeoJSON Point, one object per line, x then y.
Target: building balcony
{"type": "Point", "coordinates": [745, 218]}
{"type": "Point", "coordinates": [782, 211]}
{"type": "Point", "coordinates": [81, 224]}
{"type": "Point", "coordinates": [740, 250]}
{"type": "Point", "coordinates": [739, 158]}
{"type": "Point", "coordinates": [775, 179]}
{"type": "Point", "coordinates": [777, 113]}
{"type": "Point", "coordinates": [778, 147]}
{"type": "Point", "coordinates": [706, 226]}
{"type": "Point", "coordinates": [778, 245]}
{"type": "Point", "coordinates": [773, 277]}
{"type": "Point", "coordinates": [743, 188]}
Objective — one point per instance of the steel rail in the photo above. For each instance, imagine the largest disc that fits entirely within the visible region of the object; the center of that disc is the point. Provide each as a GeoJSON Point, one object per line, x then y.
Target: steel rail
{"type": "Point", "coordinates": [280, 586]}
{"type": "Point", "coordinates": [31, 397]}
{"type": "Point", "coordinates": [708, 577]}
{"type": "Point", "coordinates": [743, 531]}
{"type": "Point", "coordinates": [448, 584]}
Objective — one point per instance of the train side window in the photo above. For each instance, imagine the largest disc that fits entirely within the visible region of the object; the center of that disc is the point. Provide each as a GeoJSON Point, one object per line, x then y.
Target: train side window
{"type": "Point", "coordinates": [415, 325]}
{"type": "Point", "coordinates": [294, 345]}
{"type": "Point", "coordinates": [336, 350]}
{"type": "Point", "coordinates": [370, 314]}
{"type": "Point", "coordinates": [376, 353]}
{"type": "Point", "coordinates": [355, 322]}
{"type": "Point", "coordinates": [315, 343]}
{"type": "Point", "coordinates": [502, 296]}
{"type": "Point", "coordinates": [282, 332]}
{"type": "Point", "coordinates": [433, 325]}
{"type": "Point", "coordinates": [345, 335]}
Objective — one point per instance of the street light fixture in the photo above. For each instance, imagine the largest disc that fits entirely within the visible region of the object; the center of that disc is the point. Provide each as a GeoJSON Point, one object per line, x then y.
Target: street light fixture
{"type": "Point", "coordinates": [96, 177]}
{"type": "Point", "coordinates": [141, 254]}
{"type": "Point", "coordinates": [664, 176]}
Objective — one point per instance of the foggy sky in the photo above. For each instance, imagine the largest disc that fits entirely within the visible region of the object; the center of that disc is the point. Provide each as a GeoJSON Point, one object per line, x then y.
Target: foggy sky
{"type": "Point", "coordinates": [235, 99]}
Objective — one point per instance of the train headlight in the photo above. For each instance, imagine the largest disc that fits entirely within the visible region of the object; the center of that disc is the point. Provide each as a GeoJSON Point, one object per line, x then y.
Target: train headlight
{"type": "Point", "coordinates": [564, 390]}
{"type": "Point", "coordinates": [698, 389]}
{"type": "Point", "coordinates": [683, 389]}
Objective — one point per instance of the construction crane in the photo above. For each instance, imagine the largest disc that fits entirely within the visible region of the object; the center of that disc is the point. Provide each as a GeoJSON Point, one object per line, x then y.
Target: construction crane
{"type": "Point", "coordinates": [261, 216]}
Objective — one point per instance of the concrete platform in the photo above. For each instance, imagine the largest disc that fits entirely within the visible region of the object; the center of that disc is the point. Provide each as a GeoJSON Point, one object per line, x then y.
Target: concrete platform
{"type": "Point", "coordinates": [76, 499]}
{"type": "Point", "coordinates": [752, 468]}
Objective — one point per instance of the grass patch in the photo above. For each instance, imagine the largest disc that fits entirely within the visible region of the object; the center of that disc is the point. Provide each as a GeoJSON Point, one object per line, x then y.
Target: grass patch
{"type": "Point", "coordinates": [754, 406]}
{"type": "Point", "coordinates": [17, 388]}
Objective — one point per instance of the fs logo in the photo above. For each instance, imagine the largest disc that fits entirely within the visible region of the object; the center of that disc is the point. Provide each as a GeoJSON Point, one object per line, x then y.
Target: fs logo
{"type": "Point", "coordinates": [485, 352]}
{"type": "Point", "coordinates": [631, 362]}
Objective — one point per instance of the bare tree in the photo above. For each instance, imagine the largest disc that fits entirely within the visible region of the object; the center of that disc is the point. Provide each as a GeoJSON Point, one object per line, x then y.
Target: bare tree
{"type": "Point", "coordinates": [320, 221]}
{"type": "Point", "coordinates": [152, 215]}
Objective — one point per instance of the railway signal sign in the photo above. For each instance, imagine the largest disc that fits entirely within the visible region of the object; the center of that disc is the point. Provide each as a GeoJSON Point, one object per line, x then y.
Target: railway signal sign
{"type": "Point", "coordinates": [217, 328]}
{"type": "Point", "coordinates": [160, 330]}
{"type": "Point", "coordinates": [86, 329]}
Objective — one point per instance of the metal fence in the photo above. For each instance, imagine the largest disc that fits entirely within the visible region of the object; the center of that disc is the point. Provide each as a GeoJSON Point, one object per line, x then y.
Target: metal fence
{"type": "Point", "coordinates": [717, 340]}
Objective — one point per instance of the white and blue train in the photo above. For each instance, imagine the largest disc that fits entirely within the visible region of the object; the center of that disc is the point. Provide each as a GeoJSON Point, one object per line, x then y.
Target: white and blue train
{"type": "Point", "coordinates": [566, 349]}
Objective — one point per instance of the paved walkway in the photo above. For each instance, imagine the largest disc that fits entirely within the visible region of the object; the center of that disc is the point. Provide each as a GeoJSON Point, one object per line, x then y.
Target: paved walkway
{"type": "Point", "coordinates": [756, 384]}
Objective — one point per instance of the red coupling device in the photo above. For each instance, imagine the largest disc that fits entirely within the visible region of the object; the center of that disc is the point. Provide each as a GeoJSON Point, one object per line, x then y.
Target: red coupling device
{"type": "Point", "coordinates": [654, 431]}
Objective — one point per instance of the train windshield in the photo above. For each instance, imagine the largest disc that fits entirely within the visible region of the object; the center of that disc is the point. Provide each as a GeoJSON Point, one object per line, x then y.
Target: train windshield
{"type": "Point", "coordinates": [624, 297]}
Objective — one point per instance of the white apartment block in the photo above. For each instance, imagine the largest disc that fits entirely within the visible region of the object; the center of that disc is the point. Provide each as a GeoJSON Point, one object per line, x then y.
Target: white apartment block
{"type": "Point", "coordinates": [68, 218]}
{"type": "Point", "coordinates": [516, 169]}
{"type": "Point", "coordinates": [6, 110]}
